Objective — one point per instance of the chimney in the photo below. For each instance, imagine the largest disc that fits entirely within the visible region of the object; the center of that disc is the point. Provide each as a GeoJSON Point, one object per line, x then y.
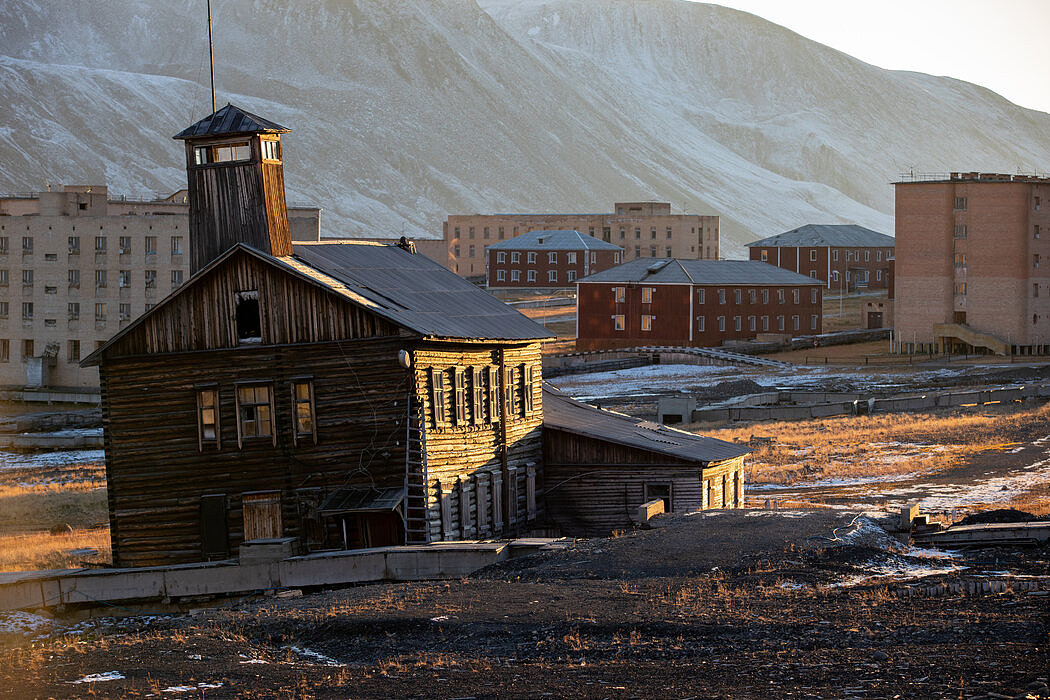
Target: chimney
{"type": "Point", "coordinates": [236, 185]}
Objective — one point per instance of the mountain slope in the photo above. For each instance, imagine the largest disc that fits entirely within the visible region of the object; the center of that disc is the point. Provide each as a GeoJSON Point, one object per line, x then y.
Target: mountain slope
{"type": "Point", "coordinates": [404, 112]}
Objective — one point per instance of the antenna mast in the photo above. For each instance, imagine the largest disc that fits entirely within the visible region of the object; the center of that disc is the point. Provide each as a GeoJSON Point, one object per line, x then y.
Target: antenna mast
{"type": "Point", "coordinates": [211, 59]}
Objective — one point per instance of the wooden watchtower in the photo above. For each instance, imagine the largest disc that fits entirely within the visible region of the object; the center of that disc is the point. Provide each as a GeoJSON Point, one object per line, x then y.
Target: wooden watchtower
{"type": "Point", "coordinates": [236, 185]}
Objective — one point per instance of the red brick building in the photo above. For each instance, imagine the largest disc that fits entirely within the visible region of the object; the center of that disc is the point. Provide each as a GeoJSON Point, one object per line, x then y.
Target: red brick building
{"type": "Point", "coordinates": [701, 303]}
{"type": "Point", "coordinates": [548, 259]}
{"type": "Point", "coordinates": [973, 264]}
{"type": "Point", "coordinates": [845, 257]}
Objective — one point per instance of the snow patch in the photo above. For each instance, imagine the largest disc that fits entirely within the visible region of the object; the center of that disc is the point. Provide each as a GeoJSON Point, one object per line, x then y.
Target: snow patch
{"type": "Point", "coordinates": [101, 677]}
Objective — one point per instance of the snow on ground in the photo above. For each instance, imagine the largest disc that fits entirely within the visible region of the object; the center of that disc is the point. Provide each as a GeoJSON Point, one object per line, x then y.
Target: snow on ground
{"type": "Point", "coordinates": [22, 623]}
{"type": "Point", "coordinates": [100, 677]}
{"type": "Point", "coordinates": [1000, 489]}
{"type": "Point", "coordinates": [833, 482]}
{"type": "Point", "coordinates": [14, 460]}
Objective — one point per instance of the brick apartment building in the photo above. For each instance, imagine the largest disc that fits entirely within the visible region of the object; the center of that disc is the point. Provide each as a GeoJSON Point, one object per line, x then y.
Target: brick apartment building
{"type": "Point", "coordinates": [702, 303]}
{"type": "Point", "coordinates": [540, 259]}
{"type": "Point", "coordinates": [76, 266]}
{"type": "Point", "coordinates": [845, 257]}
{"type": "Point", "coordinates": [642, 229]}
{"type": "Point", "coordinates": [973, 263]}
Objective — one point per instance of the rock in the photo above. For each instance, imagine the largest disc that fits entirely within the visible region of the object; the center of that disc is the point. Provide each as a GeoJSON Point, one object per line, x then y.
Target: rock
{"type": "Point", "coordinates": [880, 656]}
{"type": "Point", "coordinates": [61, 529]}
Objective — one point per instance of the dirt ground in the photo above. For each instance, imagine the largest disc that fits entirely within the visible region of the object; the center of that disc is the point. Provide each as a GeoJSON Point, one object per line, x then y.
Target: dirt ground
{"type": "Point", "coordinates": [743, 604]}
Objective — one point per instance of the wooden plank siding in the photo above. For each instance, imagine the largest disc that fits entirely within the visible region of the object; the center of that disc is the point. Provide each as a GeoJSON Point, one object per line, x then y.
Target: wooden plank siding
{"type": "Point", "coordinates": [158, 471]}
{"type": "Point", "coordinates": [594, 487]}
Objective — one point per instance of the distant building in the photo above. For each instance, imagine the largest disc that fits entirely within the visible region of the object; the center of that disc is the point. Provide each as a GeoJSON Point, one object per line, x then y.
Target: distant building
{"type": "Point", "coordinates": [77, 265]}
{"type": "Point", "coordinates": [642, 229]}
{"type": "Point", "coordinates": [694, 303]}
{"type": "Point", "coordinates": [845, 257]}
{"type": "Point", "coordinates": [548, 259]}
{"type": "Point", "coordinates": [972, 264]}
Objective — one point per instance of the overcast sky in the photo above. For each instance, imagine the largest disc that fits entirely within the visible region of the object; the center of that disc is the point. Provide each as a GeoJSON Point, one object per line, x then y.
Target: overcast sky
{"type": "Point", "coordinates": [1003, 45]}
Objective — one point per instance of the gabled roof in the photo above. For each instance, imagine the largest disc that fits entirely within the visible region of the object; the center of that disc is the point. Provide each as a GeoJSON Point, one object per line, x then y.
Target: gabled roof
{"type": "Point", "coordinates": [834, 235]}
{"type": "Point", "coordinates": [230, 121]}
{"type": "Point", "coordinates": [563, 413]}
{"type": "Point", "coordinates": [675, 271]}
{"type": "Point", "coordinates": [553, 240]}
{"type": "Point", "coordinates": [407, 289]}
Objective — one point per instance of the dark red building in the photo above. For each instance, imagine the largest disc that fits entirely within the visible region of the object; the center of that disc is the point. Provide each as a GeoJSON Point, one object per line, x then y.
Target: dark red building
{"type": "Point", "coordinates": [701, 303]}
{"type": "Point", "coordinates": [548, 259]}
{"type": "Point", "coordinates": [845, 257]}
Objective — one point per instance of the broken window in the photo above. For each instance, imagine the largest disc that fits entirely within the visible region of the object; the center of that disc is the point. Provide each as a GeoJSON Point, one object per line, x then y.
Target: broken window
{"type": "Point", "coordinates": [303, 409]}
{"type": "Point", "coordinates": [208, 417]}
{"type": "Point", "coordinates": [254, 411]}
{"type": "Point", "coordinates": [249, 327]}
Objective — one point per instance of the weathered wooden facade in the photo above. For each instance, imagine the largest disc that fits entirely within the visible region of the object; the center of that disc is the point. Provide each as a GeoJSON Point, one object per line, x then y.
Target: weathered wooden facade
{"type": "Point", "coordinates": [600, 466]}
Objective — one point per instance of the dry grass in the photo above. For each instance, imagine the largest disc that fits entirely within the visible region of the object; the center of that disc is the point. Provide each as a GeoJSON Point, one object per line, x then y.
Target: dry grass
{"type": "Point", "coordinates": [904, 442]}
{"type": "Point", "coordinates": [41, 550]}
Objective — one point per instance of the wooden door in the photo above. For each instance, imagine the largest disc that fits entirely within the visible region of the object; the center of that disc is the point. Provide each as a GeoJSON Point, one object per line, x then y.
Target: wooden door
{"type": "Point", "coordinates": [215, 531]}
{"type": "Point", "coordinates": [874, 319]}
{"type": "Point", "coordinates": [262, 515]}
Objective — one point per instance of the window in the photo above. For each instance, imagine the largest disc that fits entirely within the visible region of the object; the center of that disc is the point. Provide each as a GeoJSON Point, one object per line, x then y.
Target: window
{"type": "Point", "coordinates": [813, 274]}
{"type": "Point", "coordinates": [594, 257]}
{"type": "Point", "coordinates": [73, 310]}
{"type": "Point", "coordinates": [149, 306]}
{"type": "Point", "coordinates": [794, 321]}
{"type": "Point", "coordinates": [620, 294]}
{"type": "Point", "coordinates": [527, 388]}
{"type": "Point", "coordinates": [501, 256]}
{"type": "Point", "coordinates": [780, 323]}
{"type": "Point", "coordinates": [1035, 203]}
{"type": "Point", "coordinates": [493, 388]}
{"type": "Point", "coordinates": [737, 323]}
{"type": "Point", "coordinates": [835, 255]}
{"type": "Point", "coordinates": [125, 312]}
{"type": "Point", "coordinates": [960, 231]}
{"type": "Point", "coordinates": [878, 256]}
{"type": "Point", "coordinates": [721, 296]}
{"type": "Point", "coordinates": [3, 278]}
{"type": "Point", "coordinates": [532, 257]}
{"type": "Point", "coordinates": [647, 323]}
{"type": "Point", "coordinates": [622, 233]}
{"type": "Point", "coordinates": [455, 250]}
{"type": "Point", "coordinates": [637, 233]}
{"type": "Point", "coordinates": [616, 257]}
{"type": "Point", "coordinates": [485, 232]}
{"type": "Point", "coordinates": [271, 150]}
{"type": "Point", "coordinates": [813, 322]}
{"type": "Point", "coordinates": [27, 278]}
{"type": "Point", "coordinates": [813, 295]}
{"type": "Point", "coordinates": [72, 351]}
{"type": "Point", "coordinates": [27, 245]}
{"type": "Point", "coordinates": [780, 296]}
{"type": "Point", "coordinates": [5, 350]}
{"type": "Point", "coordinates": [100, 311]}
{"type": "Point", "coordinates": [477, 405]}
{"type": "Point", "coordinates": [74, 245]}
{"type": "Point", "coordinates": [227, 153]}
{"type": "Point", "coordinates": [618, 322]}
{"type": "Point", "coordinates": [501, 275]}
{"type": "Point", "coordinates": [125, 245]}
{"type": "Point", "coordinates": [176, 278]}
{"type": "Point", "coordinates": [552, 258]}
{"type": "Point", "coordinates": [765, 296]}
{"type": "Point", "coordinates": [515, 257]}
{"type": "Point", "coordinates": [1035, 289]}
{"type": "Point", "coordinates": [701, 296]}
{"type": "Point", "coordinates": [515, 275]}
{"type": "Point", "coordinates": [570, 257]}
{"type": "Point", "coordinates": [960, 204]}
{"type": "Point", "coordinates": [125, 278]}
{"type": "Point", "coordinates": [813, 256]}
{"type": "Point", "coordinates": [700, 324]}
{"type": "Point", "coordinates": [878, 275]}
{"type": "Point", "coordinates": [459, 395]}
{"type": "Point", "coordinates": [1035, 260]}
{"type": "Point", "coordinates": [27, 348]}
{"type": "Point", "coordinates": [4, 309]}
{"type": "Point", "coordinates": [867, 255]}
{"type": "Point", "coordinates": [765, 323]}
{"type": "Point", "coordinates": [652, 251]}
{"type": "Point", "coordinates": [254, 412]}
{"type": "Point", "coordinates": [303, 409]}
{"type": "Point", "coordinates": [752, 296]}
{"type": "Point", "coordinates": [3, 245]}
{"type": "Point", "coordinates": [667, 252]}
{"type": "Point", "coordinates": [176, 245]}
{"type": "Point", "coordinates": [834, 275]}
{"type": "Point", "coordinates": [100, 244]}
{"type": "Point", "coordinates": [752, 323]}
{"type": "Point", "coordinates": [647, 295]}
{"type": "Point", "coordinates": [470, 230]}
{"type": "Point", "coordinates": [765, 256]}
{"type": "Point", "coordinates": [501, 235]}
{"type": "Point", "coordinates": [151, 245]}
{"type": "Point", "coordinates": [532, 276]}
{"type": "Point", "coordinates": [571, 274]}
{"type": "Point", "coordinates": [669, 234]}
{"type": "Point", "coordinates": [27, 310]}
{"type": "Point", "coordinates": [637, 251]}
{"type": "Point", "coordinates": [960, 259]}
{"type": "Point", "coordinates": [470, 251]}
{"type": "Point", "coordinates": [249, 323]}
{"type": "Point", "coordinates": [652, 233]}
{"type": "Point", "coordinates": [437, 396]}
{"type": "Point", "coordinates": [794, 296]}
{"type": "Point", "coordinates": [960, 288]}
{"type": "Point", "coordinates": [100, 279]}
{"type": "Point", "coordinates": [722, 323]}
{"type": "Point", "coordinates": [50, 290]}
{"type": "Point", "coordinates": [1035, 231]}
{"type": "Point", "coordinates": [510, 396]}
{"type": "Point", "coordinates": [738, 296]}
{"type": "Point", "coordinates": [552, 275]}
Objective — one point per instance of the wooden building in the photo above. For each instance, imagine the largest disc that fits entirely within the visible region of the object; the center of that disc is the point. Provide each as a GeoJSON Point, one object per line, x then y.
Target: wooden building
{"type": "Point", "coordinates": [600, 466]}
{"type": "Point", "coordinates": [845, 257]}
{"type": "Point", "coordinates": [540, 259]}
{"type": "Point", "coordinates": [701, 303]}
{"type": "Point", "coordinates": [333, 394]}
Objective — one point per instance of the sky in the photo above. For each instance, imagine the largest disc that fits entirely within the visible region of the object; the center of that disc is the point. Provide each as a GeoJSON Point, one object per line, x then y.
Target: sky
{"type": "Point", "coordinates": [999, 44]}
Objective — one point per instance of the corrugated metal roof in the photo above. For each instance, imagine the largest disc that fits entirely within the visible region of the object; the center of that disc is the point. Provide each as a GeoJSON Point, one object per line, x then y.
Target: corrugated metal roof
{"type": "Point", "coordinates": [231, 120]}
{"type": "Point", "coordinates": [834, 235]}
{"type": "Point", "coordinates": [675, 271]}
{"type": "Point", "coordinates": [553, 240]}
{"type": "Point", "coordinates": [413, 291]}
{"type": "Point", "coordinates": [563, 413]}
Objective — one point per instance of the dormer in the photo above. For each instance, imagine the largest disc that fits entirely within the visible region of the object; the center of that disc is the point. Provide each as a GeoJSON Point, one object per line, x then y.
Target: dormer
{"type": "Point", "coordinates": [235, 183]}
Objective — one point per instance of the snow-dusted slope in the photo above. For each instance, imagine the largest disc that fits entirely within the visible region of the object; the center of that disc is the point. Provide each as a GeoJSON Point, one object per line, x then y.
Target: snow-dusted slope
{"type": "Point", "coordinates": [403, 112]}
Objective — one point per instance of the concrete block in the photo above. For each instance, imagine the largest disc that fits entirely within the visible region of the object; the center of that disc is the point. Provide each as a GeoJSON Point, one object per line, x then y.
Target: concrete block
{"type": "Point", "coordinates": [119, 584]}
{"type": "Point", "coordinates": [332, 568]}
{"type": "Point", "coordinates": [648, 510]}
{"type": "Point", "coordinates": [214, 580]}
{"type": "Point", "coordinates": [908, 513]}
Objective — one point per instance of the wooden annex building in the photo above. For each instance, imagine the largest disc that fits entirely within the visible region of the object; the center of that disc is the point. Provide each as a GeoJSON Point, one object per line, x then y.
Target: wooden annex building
{"type": "Point", "coordinates": [600, 466]}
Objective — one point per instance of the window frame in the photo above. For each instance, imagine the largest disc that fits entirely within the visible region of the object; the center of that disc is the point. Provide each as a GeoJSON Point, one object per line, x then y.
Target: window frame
{"type": "Point", "coordinates": [311, 405]}
{"type": "Point", "coordinates": [240, 406]}
{"type": "Point", "coordinates": [202, 440]}
{"type": "Point", "coordinates": [438, 414]}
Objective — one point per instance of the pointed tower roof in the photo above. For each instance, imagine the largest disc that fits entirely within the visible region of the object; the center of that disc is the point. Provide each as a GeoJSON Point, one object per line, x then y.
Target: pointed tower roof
{"type": "Point", "coordinates": [228, 121]}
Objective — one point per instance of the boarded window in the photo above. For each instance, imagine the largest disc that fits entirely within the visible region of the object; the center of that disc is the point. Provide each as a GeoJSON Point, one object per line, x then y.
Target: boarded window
{"type": "Point", "coordinates": [481, 498]}
{"type": "Point", "coordinates": [497, 502]}
{"type": "Point", "coordinates": [512, 495]}
{"type": "Point", "coordinates": [254, 412]}
{"type": "Point", "coordinates": [262, 515]}
{"type": "Point", "coordinates": [208, 417]}
{"type": "Point", "coordinates": [303, 410]}
{"type": "Point", "coordinates": [530, 492]}
{"type": "Point", "coordinates": [466, 524]}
